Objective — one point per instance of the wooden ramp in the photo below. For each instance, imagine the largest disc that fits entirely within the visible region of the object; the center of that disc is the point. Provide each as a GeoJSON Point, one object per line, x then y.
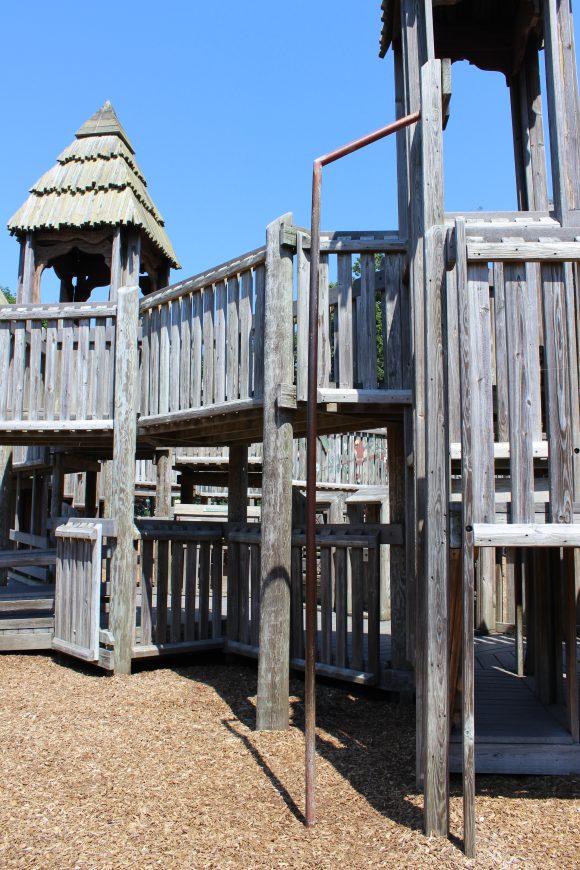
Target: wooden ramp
{"type": "Point", "coordinates": [514, 732]}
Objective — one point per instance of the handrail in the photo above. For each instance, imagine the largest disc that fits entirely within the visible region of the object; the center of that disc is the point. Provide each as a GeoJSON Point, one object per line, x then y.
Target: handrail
{"type": "Point", "coordinates": [312, 400]}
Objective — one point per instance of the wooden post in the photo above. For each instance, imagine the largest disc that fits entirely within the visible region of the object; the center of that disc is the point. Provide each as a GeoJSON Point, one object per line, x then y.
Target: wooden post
{"type": "Point", "coordinates": [5, 503]}
{"type": "Point", "coordinates": [415, 52]}
{"type": "Point", "coordinates": [163, 486]}
{"type": "Point", "coordinates": [122, 617]}
{"type": "Point", "coordinates": [563, 109]}
{"type": "Point", "coordinates": [57, 490]}
{"type": "Point", "coordinates": [26, 282]}
{"type": "Point", "coordinates": [396, 514]}
{"type": "Point", "coordinates": [237, 513]}
{"type": "Point", "coordinates": [436, 686]}
{"type": "Point", "coordinates": [273, 667]}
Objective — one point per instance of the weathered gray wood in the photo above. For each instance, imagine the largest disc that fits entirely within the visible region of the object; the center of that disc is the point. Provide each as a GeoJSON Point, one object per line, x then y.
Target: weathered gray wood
{"type": "Point", "coordinates": [164, 358]}
{"type": "Point", "coordinates": [392, 326]}
{"type": "Point", "coordinates": [273, 667]}
{"type": "Point", "coordinates": [196, 350]}
{"type": "Point", "coordinates": [177, 559]}
{"type": "Point", "coordinates": [221, 351]}
{"type": "Point", "coordinates": [373, 617]}
{"type": "Point", "coordinates": [190, 590]}
{"type": "Point", "coordinates": [326, 590]}
{"type": "Point", "coordinates": [185, 355]}
{"type": "Point", "coordinates": [345, 323]}
{"type": "Point", "coordinates": [258, 332]}
{"type": "Point", "coordinates": [146, 591]}
{"type": "Point", "coordinates": [237, 513]}
{"type": "Point", "coordinates": [208, 345]}
{"type": "Point", "coordinates": [122, 616]}
{"type": "Point", "coordinates": [208, 562]}
{"type": "Point", "coordinates": [526, 534]}
{"type": "Point", "coordinates": [397, 566]}
{"type": "Point", "coordinates": [233, 339]}
{"type": "Point", "coordinates": [469, 401]}
{"type": "Point", "coordinates": [519, 251]}
{"type": "Point", "coordinates": [255, 593]}
{"type": "Point", "coordinates": [324, 350]}
{"type": "Point", "coordinates": [366, 339]}
{"type": "Point", "coordinates": [175, 355]}
{"type": "Point", "coordinates": [297, 620]}
{"type": "Point", "coordinates": [340, 588]}
{"type": "Point", "coordinates": [216, 592]}
{"type": "Point", "coordinates": [162, 572]}
{"type": "Point", "coordinates": [245, 318]}
{"type": "Point", "coordinates": [436, 562]}
{"type": "Point", "coordinates": [164, 483]}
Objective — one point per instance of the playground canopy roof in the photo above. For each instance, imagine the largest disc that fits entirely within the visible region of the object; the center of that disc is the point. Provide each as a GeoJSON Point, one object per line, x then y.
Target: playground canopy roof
{"type": "Point", "coordinates": [95, 182]}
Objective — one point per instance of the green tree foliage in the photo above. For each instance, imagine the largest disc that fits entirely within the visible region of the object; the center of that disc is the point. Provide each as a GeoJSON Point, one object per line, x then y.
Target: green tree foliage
{"type": "Point", "coordinates": [10, 297]}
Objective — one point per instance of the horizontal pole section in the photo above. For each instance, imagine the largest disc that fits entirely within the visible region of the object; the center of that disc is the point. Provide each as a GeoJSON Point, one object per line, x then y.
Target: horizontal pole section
{"type": "Point", "coordinates": [17, 558]}
{"type": "Point", "coordinates": [560, 252]}
{"type": "Point", "coordinates": [365, 397]}
{"type": "Point", "coordinates": [359, 246]}
{"type": "Point", "coordinates": [501, 450]}
{"type": "Point", "coordinates": [67, 311]}
{"type": "Point", "coordinates": [222, 272]}
{"type": "Point", "coordinates": [526, 535]}
{"type": "Point", "coordinates": [55, 425]}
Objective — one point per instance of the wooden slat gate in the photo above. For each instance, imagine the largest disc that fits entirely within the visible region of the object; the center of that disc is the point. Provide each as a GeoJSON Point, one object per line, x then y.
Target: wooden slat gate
{"type": "Point", "coordinates": [78, 589]}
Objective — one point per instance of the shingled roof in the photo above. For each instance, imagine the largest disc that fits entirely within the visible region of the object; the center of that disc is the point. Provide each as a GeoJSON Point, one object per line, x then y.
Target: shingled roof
{"type": "Point", "coordinates": [95, 182]}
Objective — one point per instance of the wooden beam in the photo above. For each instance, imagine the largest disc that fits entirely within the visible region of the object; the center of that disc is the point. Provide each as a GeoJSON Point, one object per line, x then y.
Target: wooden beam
{"type": "Point", "coordinates": [122, 614]}
{"type": "Point", "coordinates": [276, 555]}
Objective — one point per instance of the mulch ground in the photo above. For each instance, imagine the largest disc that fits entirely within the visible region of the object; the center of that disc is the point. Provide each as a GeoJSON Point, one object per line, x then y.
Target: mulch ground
{"type": "Point", "coordinates": [163, 769]}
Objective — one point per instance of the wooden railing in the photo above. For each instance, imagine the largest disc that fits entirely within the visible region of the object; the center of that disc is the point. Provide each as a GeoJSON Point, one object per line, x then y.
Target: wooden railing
{"type": "Point", "coordinates": [179, 592]}
{"type": "Point", "coordinates": [202, 340]}
{"type": "Point", "coordinates": [56, 363]}
{"type": "Point", "coordinates": [362, 298]}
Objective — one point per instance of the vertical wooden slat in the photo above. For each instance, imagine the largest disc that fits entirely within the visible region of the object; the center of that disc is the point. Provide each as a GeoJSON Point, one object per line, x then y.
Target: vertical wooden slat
{"type": "Point", "coordinates": [155, 321]}
{"type": "Point", "coordinates": [208, 346]}
{"type": "Point", "coordinates": [258, 332]}
{"type": "Point", "coordinates": [452, 357]}
{"type": "Point", "coordinates": [501, 365]}
{"type": "Point", "coordinates": [245, 333]}
{"type": "Point", "coordinates": [323, 325]}
{"type": "Point", "coordinates": [164, 357]}
{"type": "Point", "coordinates": [367, 325]}
{"type": "Point", "coordinates": [146, 590]}
{"type": "Point", "coordinates": [244, 595]}
{"type": "Point", "coordinates": [175, 355]}
{"type": "Point", "coordinates": [297, 606]}
{"type": "Point", "coordinates": [216, 591]}
{"type": "Point", "coordinates": [145, 366]}
{"type": "Point", "coordinates": [326, 604]}
{"type": "Point", "coordinates": [66, 369]}
{"type": "Point", "coordinates": [82, 379]}
{"type": "Point", "coordinates": [196, 350]}
{"type": "Point", "coordinates": [162, 582]}
{"type": "Point", "coordinates": [340, 605]}
{"type": "Point", "coordinates": [185, 353]}
{"type": "Point", "coordinates": [355, 555]}
{"type": "Point", "coordinates": [176, 589]}
{"type": "Point", "coordinates": [220, 344]}
{"type": "Point", "coordinates": [35, 396]}
{"type": "Point", "coordinates": [255, 595]}
{"type": "Point", "coordinates": [4, 367]}
{"type": "Point", "coordinates": [303, 279]}
{"type": "Point", "coordinates": [345, 325]}
{"type": "Point", "coordinates": [190, 589]}
{"type": "Point", "coordinates": [233, 354]}
{"type": "Point", "coordinates": [373, 616]}
{"type": "Point", "coordinates": [233, 590]}
{"type": "Point", "coordinates": [204, 586]}
{"type": "Point", "coordinates": [392, 327]}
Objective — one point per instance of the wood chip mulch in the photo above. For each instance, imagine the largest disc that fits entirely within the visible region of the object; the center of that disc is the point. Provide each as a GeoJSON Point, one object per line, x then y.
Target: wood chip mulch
{"type": "Point", "coordinates": [163, 769]}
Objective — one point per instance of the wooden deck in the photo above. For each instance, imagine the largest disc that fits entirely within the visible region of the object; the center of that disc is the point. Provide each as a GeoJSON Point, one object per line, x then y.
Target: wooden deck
{"type": "Point", "coordinates": [514, 732]}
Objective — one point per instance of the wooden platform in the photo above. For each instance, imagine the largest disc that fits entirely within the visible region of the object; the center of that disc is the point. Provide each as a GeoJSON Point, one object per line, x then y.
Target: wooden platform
{"type": "Point", "coordinates": [514, 732]}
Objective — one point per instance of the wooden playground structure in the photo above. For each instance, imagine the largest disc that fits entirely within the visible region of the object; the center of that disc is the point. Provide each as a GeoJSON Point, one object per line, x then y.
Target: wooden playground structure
{"type": "Point", "coordinates": [451, 352]}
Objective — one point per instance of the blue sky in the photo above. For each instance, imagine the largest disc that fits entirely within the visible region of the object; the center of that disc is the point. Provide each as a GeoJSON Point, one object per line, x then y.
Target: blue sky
{"type": "Point", "coordinates": [227, 104]}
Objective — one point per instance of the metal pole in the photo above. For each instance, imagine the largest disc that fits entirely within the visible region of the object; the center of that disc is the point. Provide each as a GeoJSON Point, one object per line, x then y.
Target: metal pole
{"type": "Point", "coordinates": [310, 674]}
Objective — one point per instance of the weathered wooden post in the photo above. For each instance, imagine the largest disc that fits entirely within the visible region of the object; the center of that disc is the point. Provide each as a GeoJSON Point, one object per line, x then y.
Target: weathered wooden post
{"type": "Point", "coordinates": [273, 668]}
{"type": "Point", "coordinates": [123, 474]}
{"type": "Point", "coordinates": [164, 483]}
{"type": "Point", "coordinates": [436, 686]}
{"type": "Point", "coordinates": [237, 513]}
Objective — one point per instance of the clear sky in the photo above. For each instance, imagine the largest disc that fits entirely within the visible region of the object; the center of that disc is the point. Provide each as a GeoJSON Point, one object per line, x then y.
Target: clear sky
{"type": "Point", "coordinates": [227, 104]}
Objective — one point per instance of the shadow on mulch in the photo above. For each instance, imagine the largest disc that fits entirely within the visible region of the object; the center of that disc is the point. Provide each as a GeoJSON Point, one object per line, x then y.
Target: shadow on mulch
{"type": "Point", "coordinates": [369, 738]}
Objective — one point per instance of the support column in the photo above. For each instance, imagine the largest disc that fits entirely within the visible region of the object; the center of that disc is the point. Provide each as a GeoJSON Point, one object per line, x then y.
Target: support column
{"type": "Point", "coordinates": [122, 617]}
{"type": "Point", "coordinates": [274, 661]}
{"type": "Point", "coordinates": [395, 510]}
{"type": "Point", "coordinates": [163, 487]}
{"type": "Point", "coordinates": [436, 637]}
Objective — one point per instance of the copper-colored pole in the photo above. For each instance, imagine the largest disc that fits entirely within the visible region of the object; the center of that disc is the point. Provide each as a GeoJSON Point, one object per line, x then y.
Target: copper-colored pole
{"type": "Point", "coordinates": [310, 678]}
